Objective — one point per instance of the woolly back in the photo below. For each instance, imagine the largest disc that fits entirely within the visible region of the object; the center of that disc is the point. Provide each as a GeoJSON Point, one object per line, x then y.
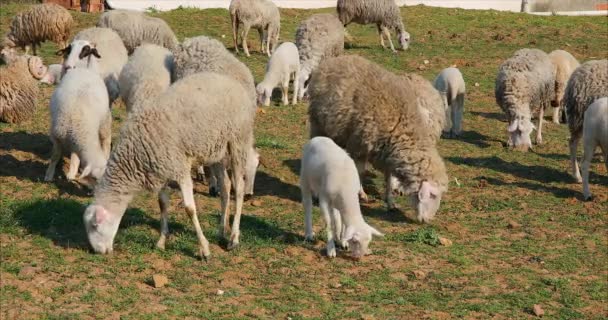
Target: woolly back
{"type": "Point", "coordinates": [110, 47]}
{"type": "Point", "coordinates": [319, 36]}
{"type": "Point", "coordinates": [587, 83]}
{"type": "Point", "coordinates": [18, 91]}
{"type": "Point", "coordinates": [41, 22]}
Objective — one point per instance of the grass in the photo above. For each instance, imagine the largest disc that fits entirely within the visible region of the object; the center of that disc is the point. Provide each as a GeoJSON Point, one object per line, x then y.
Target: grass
{"type": "Point", "coordinates": [556, 257]}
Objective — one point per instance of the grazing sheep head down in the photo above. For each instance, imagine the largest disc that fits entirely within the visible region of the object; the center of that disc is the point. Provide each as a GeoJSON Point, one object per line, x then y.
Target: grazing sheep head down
{"type": "Point", "coordinates": [520, 128]}
{"type": "Point", "coordinates": [78, 54]}
{"type": "Point", "coordinates": [36, 67]}
{"type": "Point", "coordinates": [264, 95]}
{"type": "Point", "coordinates": [359, 238]}
{"type": "Point", "coordinates": [404, 39]}
{"type": "Point", "coordinates": [303, 83]}
{"type": "Point", "coordinates": [426, 201]}
{"type": "Point", "coordinates": [101, 226]}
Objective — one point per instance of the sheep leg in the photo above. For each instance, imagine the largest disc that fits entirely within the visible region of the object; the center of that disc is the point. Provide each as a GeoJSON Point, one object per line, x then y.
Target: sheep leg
{"type": "Point", "coordinates": [381, 36]}
{"type": "Point", "coordinates": [588, 151]}
{"type": "Point", "coordinates": [74, 164]}
{"type": "Point", "coordinates": [448, 116]}
{"type": "Point", "coordinates": [187, 193]}
{"type": "Point", "coordinates": [325, 211]}
{"type": "Point", "coordinates": [55, 157]}
{"type": "Point", "coordinates": [296, 84]}
{"type": "Point", "coordinates": [213, 184]}
{"type": "Point", "coordinates": [163, 203]}
{"type": "Point", "coordinates": [285, 91]}
{"type": "Point", "coordinates": [246, 28]}
{"type": "Point", "coordinates": [457, 113]}
{"type": "Point", "coordinates": [539, 133]}
{"type": "Point", "coordinates": [361, 169]}
{"type": "Point", "coordinates": [238, 178]}
{"type": "Point", "coordinates": [309, 234]}
{"type": "Point", "coordinates": [387, 33]}
{"type": "Point", "coordinates": [223, 180]}
{"type": "Point", "coordinates": [339, 229]}
{"type": "Point", "coordinates": [235, 31]}
{"type": "Point", "coordinates": [263, 40]}
{"type": "Point", "coordinates": [573, 146]}
{"type": "Point", "coordinates": [27, 49]}
{"type": "Point", "coordinates": [388, 192]}
{"type": "Point", "coordinates": [556, 112]}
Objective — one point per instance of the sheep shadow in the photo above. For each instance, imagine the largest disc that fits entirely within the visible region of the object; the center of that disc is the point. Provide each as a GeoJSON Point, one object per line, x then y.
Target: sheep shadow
{"type": "Point", "coordinates": [255, 229]}
{"type": "Point", "coordinates": [267, 185]}
{"type": "Point", "coordinates": [475, 138]}
{"type": "Point", "coordinates": [490, 115]}
{"type": "Point", "coordinates": [35, 143]}
{"type": "Point", "coordinates": [388, 215]}
{"type": "Point", "coordinates": [556, 191]}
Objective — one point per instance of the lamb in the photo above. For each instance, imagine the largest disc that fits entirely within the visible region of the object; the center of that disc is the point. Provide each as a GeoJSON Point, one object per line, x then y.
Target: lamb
{"type": "Point", "coordinates": [384, 13]}
{"type": "Point", "coordinates": [136, 28]}
{"type": "Point", "coordinates": [382, 121]}
{"type": "Point", "coordinates": [39, 23]}
{"type": "Point", "coordinates": [564, 64]}
{"type": "Point", "coordinates": [595, 132]}
{"type": "Point", "coordinates": [110, 47]}
{"type": "Point", "coordinates": [19, 88]}
{"type": "Point", "coordinates": [450, 85]}
{"type": "Point", "coordinates": [330, 174]}
{"type": "Point", "coordinates": [81, 122]}
{"type": "Point", "coordinates": [284, 63]}
{"type": "Point", "coordinates": [53, 74]}
{"type": "Point", "coordinates": [262, 15]}
{"type": "Point", "coordinates": [146, 75]}
{"type": "Point", "coordinates": [318, 37]}
{"type": "Point", "coordinates": [204, 118]}
{"type": "Point", "coordinates": [525, 85]}
{"type": "Point", "coordinates": [587, 83]}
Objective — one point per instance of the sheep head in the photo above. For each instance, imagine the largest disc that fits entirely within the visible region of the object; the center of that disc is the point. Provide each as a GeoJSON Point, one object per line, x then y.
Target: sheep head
{"type": "Point", "coordinates": [426, 201]}
{"type": "Point", "coordinates": [359, 238]}
{"type": "Point", "coordinates": [101, 226]}
{"type": "Point", "coordinates": [77, 51]}
{"type": "Point", "coordinates": [520, 128]}
{"type": "Point", "coordinates": [404, 39]}
{"type": "Point", "coordinates": [36, 67]}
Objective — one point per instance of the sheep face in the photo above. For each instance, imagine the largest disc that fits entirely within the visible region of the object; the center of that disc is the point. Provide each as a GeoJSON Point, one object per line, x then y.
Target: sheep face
{"type": "Point", "coordinates": [264, 95]}
{"type": "Point", "coordinates": [36, 67]}
{"type": "Point", "coordinates": [520, 128]}
{"type": "Point", "coordinates": [426, 201]}
{"type": "Point", "coordinates": [404, 40]}
{"type": "Point", "coordinates": [359, 238]}
{"type": "Point", "coordinates": [303, 83]}
{"type": "Point", "coordinates": [101, 227]}
{"type": "Point", "coordinates": [77, 51]}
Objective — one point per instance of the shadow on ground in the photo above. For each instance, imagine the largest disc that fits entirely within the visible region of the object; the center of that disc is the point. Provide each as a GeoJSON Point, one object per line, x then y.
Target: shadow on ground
{"type": "Point", "coordinates": [490, 115]}
{"type": "Point", "coordinates": [35, 143]}
{"type": "Point", "coordinates": [267, 185]}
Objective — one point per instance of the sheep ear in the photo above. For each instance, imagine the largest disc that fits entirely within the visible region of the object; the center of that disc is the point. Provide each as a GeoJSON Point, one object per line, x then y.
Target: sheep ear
{"type": "Point", "coordinates": [64, 50]}
{"type": "Point", "coordinates": [95, 53]}
{"type": "Point", "coordinates": [427, 190]}
{"type": "Point", "coordinates": [375, 232]}
{"type": "Point", "coordinates": [351, 234]}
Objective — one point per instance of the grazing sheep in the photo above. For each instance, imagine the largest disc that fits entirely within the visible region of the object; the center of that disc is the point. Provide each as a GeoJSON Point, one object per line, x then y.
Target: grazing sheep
{"type": "Point", "coordinates": [53, 74]}
{"type": "Point", "coordinates": [587, 83]}
{"type": "Point", "coordinates": [330, 174]}
{"type": "Point", "coordinates": [382, 121]}
{"type": "Point", "coordinates": [525, 85]}
{"type": "Point", "coordinates": [385, 14]}
{"type": "Point", "coordinates": [318, 37]}
{"type": "Point", "coordinates": [110, 48]}
{"type": "Point", "coordinates": [564, 64]}
{"type": "Point", "coordinates": [200, 118]}
{"type": "Point", "coordinates": [19, 88]}
{"type": "Point", "coordinates": [262, 15]}
{"type": "Point", "coordinates": [284, 63]}
{"type": "Point", "coordinates": [81, 122]}
{"type": "Point", "coordinates": [136, 28]}
{"type": "Point", "coordinates": [595, 132]}
{"type": "Point", "coordinates": [450, 85]}
{"type": "Point", "coordinates": [146, 75]}
{"type": "Point", "coordinates": [39, 23]}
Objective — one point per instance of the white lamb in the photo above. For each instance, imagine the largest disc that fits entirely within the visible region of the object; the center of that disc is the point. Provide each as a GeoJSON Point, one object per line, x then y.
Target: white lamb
{"type": "Point", "coordinates": [450, 85]}
{"type": "Point", "coordinates": [284, 63]}
{"type": "Point", "coordinates": [595, 132]}
{"type": "Point", "coordinates": [329, 173]}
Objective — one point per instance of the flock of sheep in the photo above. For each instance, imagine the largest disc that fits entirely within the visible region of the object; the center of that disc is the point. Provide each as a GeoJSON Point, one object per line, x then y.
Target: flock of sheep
{"type": "Point", "coordinates": [193, 105]}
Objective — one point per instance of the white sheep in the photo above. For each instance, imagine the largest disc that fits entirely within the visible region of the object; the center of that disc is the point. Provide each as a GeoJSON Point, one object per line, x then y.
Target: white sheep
{"type": "Point", "coordinates": [587, 83]}
{"type": "Point", "coordinates": [330, 174]}
{"type": "Point", "coordinates": [146, 75]}
{"type": "Point", "coordinates": [450, 85]}
{"type": "Point", "coordinates": [284, 63]}
{"type": "Point", "coordinates": [385, 14]}
{"type": "Point", "coordinates": [595, 133]}
{"type": "Point", "coordinates": [262, 15]}
{"type": "Point", "coordinates": [110, 48]}
{"type": "Point", "coordinates": [53, 74]}
{"type": "Point", "coordinates": [47, 21]}
{"type": "Point", "coordinates": [525, 84]}
{"type": "Point", "coordinates": [19, 88]}
{"type": "Point", "coordinates": [387, 122]}
{"type": "Point", "coordinates": [318, 37]}
{"type": "Point", "coordinates": [564, 64]}
{"type": "Point", "coordinates": [202, 118]}
{"type": "Point", "coordinates": [136, 28]}
{"type": "Point", "coordinates": [81, 121]}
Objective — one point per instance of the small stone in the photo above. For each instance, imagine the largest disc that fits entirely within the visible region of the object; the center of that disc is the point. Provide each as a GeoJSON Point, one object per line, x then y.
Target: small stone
{"type": "Point", "coordinates": [367, 317]}
{"type": "Point", "coordinates": [220, 292]}
{"type": "Point", "coordinates": [538, 310]}
{"type": "Point", "coordinates": [513, 225]}
{"type": "Point", "coordinates": [223, 36]}
{"type": "Point", "coordinates": [419, 274]}
{"type": "Point", "coordinates": [27, 271]}
{"type": "Point", "coordinates": [445, 241]}
{"type": "Point", "coordinates": [48, 300]}
{"type": "Point", "coordinates": [256, 203]}
{"type": "Point", "coordinates": [159, 280]}
{"type": "Point", "coordinates": [336, 285]}
{"type": "Point", "coordinates": [426, 62]}
{"type": "Point", "coordinates": [421, 67]}
{"type": "Point", "coordinates": [477, 84]}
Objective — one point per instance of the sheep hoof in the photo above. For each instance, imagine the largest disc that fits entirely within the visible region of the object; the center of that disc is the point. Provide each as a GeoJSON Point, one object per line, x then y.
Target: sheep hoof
{"type": "Point", "coordinates": [310, 237]}
{"type": "Point", "coordinates": [205, 258]}
{"type": "Point", "coordinates": [331, 250]}
{"type": "Point", "coordinates": [232, 245]}
{"type": "Point", "coordinates": [588, 197]}
{"type": "Point", "coordinates": [213, 192]}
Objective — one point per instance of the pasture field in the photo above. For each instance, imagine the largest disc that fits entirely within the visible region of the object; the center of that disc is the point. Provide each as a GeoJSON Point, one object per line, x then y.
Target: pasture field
{"type": "Point", "coordinates": [521, 233]}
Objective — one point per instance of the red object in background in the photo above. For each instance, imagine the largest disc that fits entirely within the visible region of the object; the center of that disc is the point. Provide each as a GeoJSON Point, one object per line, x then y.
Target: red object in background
{"type": "Point", "coordinates": [93, 6]}
{"type": "Point", "coordinates": [85, 5]}
{"type": "Point", "coordinates": [68, 4]}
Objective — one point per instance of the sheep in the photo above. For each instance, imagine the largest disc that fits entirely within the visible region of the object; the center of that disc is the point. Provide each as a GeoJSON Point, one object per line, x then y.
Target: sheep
{"type": "Point", "coordinates": [587, 83]}
{"type": "Point", "coordinates": [110, 47]}
{"type": "Point", "coordinates": [39, 23]}
{"type": "Point", "coordinates": [318, 37]}
{"type": "Point", "coordinates": [53, 74]}
{"type": "Point", "coordinates": [595, 132]}
{"type": "Point", "coordinates": [200, 118]}
{"type": "Point", "coordinates": [251, 166]}
{"type": "Point", "coordinates": [383, 121]}
{"type": "Point", "coordinates": [450, 85]}
{"type": "Point", "coordinates": [19, 88]}
{"type": "Point", "coordinates": [384, 13]}
{"type": "Point", "coordinates": [260, 14]}
{"type": "Point", "coordinates": [284, 63]}
{"type": "Point", "coordinates": [136, 28]}
{"type": "Point", "coordinates": [81, 122]}
{"type": "Point", "coordinates": [330, 174]}
{"type": "Point", "coordinates": [564, 64]}
{"type": "Point", "coordinates": [146, 75]}
{"type": "Point", "coordinates": [525, 85]}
